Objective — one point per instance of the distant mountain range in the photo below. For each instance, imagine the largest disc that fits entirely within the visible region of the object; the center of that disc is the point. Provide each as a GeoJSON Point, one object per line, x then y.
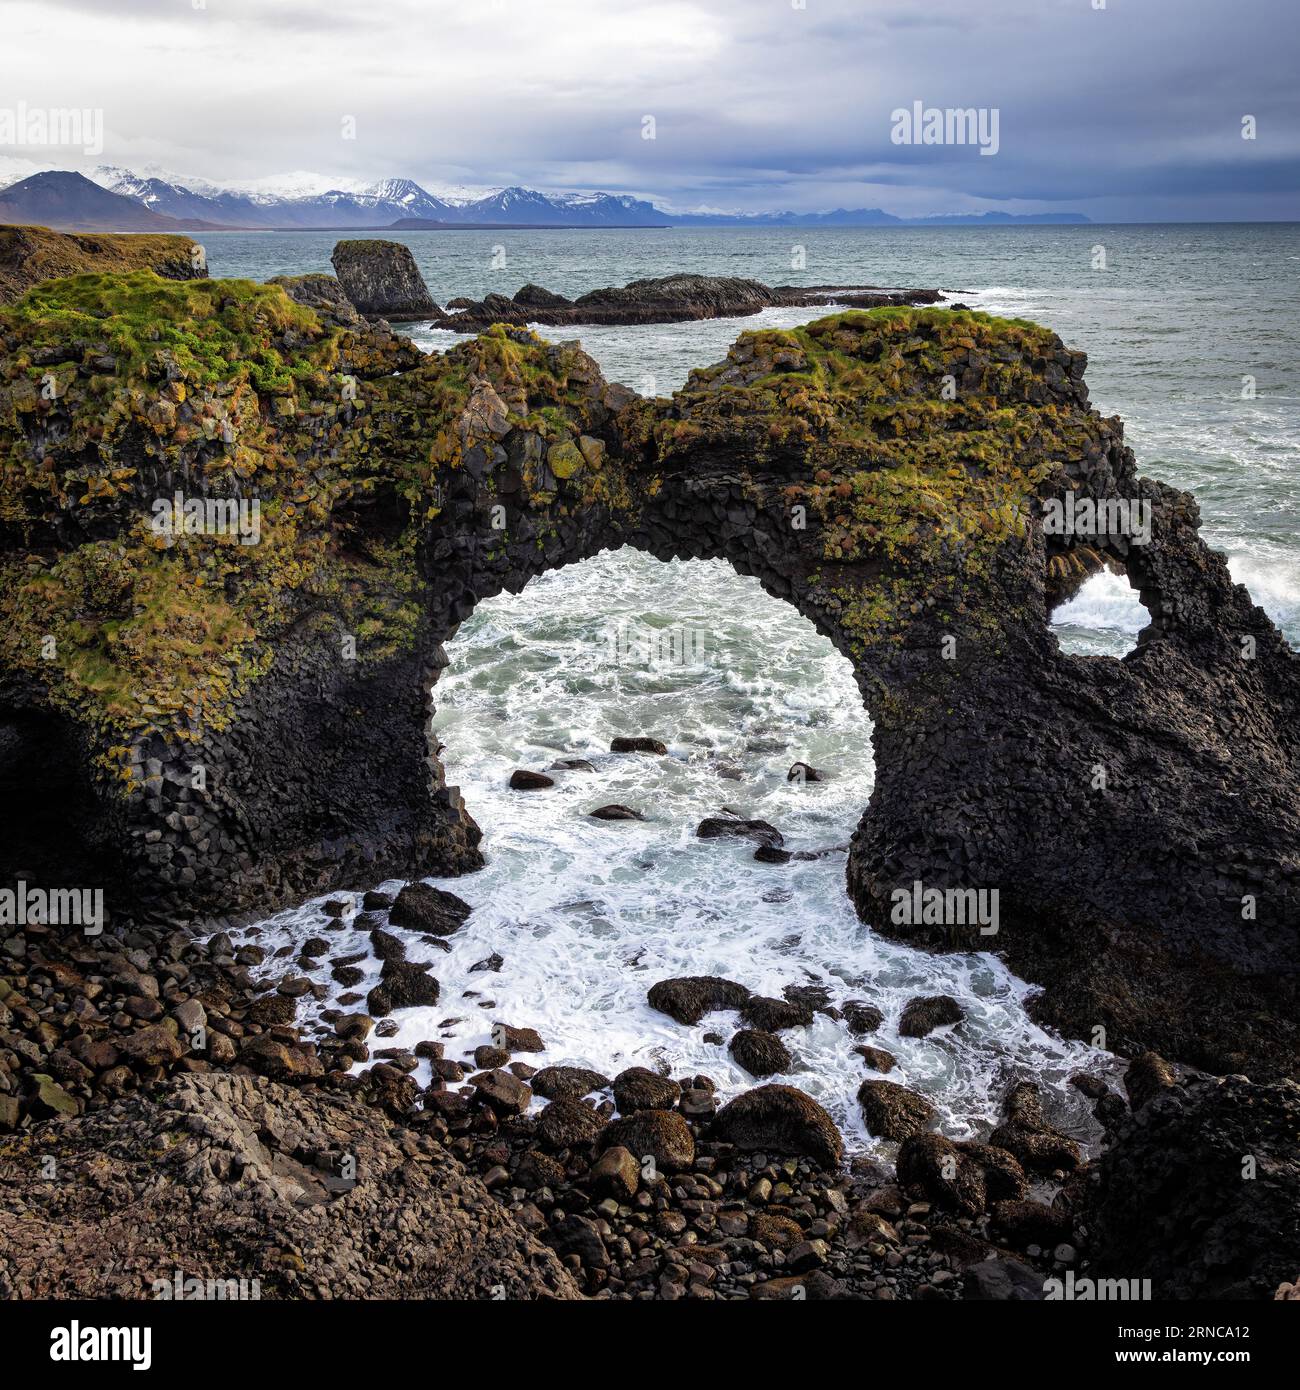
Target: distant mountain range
{"type": "Point", "coordinates": [120, 200]}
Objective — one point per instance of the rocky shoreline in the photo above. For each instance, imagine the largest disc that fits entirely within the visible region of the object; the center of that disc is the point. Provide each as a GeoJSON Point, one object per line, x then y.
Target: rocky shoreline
{"type": "Point", "coordinates": [285, 1153]}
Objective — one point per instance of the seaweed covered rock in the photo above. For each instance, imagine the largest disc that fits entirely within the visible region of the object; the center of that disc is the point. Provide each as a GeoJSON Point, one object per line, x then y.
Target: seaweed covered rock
{"type": "Point", "coordinates": [779, 1119]}
{"type": "Point", "coordinates": [381, 280]}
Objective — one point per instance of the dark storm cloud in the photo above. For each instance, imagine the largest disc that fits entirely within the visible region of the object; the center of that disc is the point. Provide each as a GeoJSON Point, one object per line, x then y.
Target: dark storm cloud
{"type": "Point", "coordinates": [756, 102]}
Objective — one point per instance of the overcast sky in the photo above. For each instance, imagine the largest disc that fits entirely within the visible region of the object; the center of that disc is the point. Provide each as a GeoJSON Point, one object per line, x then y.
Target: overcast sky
{"type": "Point", "coordinates": [1127, 112]}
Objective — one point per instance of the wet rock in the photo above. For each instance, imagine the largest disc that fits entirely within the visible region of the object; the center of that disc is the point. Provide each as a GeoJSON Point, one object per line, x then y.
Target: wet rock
{"type": "Point", "coordinates": [770, 854]}
{"type": "Point", "coordinates": [615, 812]}
{"type": "Point", "coordinates": [1025, 1133]}
{"type": "Point", "coordinates": [729, 827]}
{"type": "Point", "coordinates": [424, 908]}
{"type": "Point", "coordinates": [659, 1134]}
{"type": "Point", "coordinates": [924, 1014]}
{"type": "Point", "coordinates": [566, 1124]}
{"type": "Point", "coordinates": [486, 1057]}
{"type": "Point", "coordinates": [523, 780]}
{"type": "Point", "coordinates": [386, 946]}
{"type": "Point", "coordinates": [772, 1015]}
{"type": "Point", "coordinates": [1023, 1223]}
{"type": "Point", "coordinates": [617, 1173]}
{"type": "Point", "coordinates": [571, 765]}
{"type": "Point", "coordinates": [779, 1119]}
{"type": "Point", "coordinates": [935, 1166]}
{"type": "Point", "coordinates": [638, 744]}
{"type": "Point", "coordinates": [687, 998]}
{"type": "Point", "coordinates": [557, 1083]}
{"type": "Point", "coordinates": [409, 984]}
{"type": "Point", "coordinates": [1147, 1075]}
{"type": "Point", "coordinates": [638, 1088]}
{"type": "Point", "coordinates": [375, 901]}
{"type": "Point", "coordinates": [803, 772]}
{"type": "Point", "coordinates": [517, 1039]}
{"type": "Point", "coordinates": [861, 1018]}
{"type": "Point", "coordinates": [759, 1053]}
{"type": "Point", "coordinates": [876, 1058]}
{"type": "Point", "coordinates": [506, 1094]}
{"type": "Point", "coordinates": [892, 1111]}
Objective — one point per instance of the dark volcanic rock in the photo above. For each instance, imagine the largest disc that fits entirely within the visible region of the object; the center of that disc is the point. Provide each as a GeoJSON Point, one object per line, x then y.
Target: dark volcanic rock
{"type": "Point", "coordinates": [324, 294]}
{"type": "Point", "coordinates": [1173, 1199]}
{"type": "Point", "coordinates": [524, 780]}
{"type": "Point", "coordinates": [727, 827]}
{"type": "Point", "coordinates": [639, 743]}
{"type": "Point", "coordinates": [1024, 1132]}
{"type": "Point", "coordinates": [779, 1119]}
{"type": "Point", "coordinates": [659, 1134]}
{"type": "Point", "coordinates": [772, 1015]}
{"type": "Point", "coordinates": [760, 1053]}
{"type": "Point", "coordinates": [381, 280]}
{"type": "Point", "coordinates": [211, 1164]}
{"type": "Point", "coordinates": [924, 1014]}
{"type": "Point", "coordinates": [689, 997]}
{"type": "Point", "coordinates": [1146, 1077]}
{"type": "Point", "coordinates": [667, 299]}
{"type": "Point", "coordinates": [861, 1018]}
{"type": "Point", "coordinates": [556, 1083]}
{"type": "Point", "coordinates": [424, 908]}
{"type": "Point", "coordinates": [640, 1089]}
{"type": "Point", "coordinates": [566, 1123]}
{"type": "Point", "coordinates": [892, 1111]}
{"type": "Point", "coordinates": [615, 812]}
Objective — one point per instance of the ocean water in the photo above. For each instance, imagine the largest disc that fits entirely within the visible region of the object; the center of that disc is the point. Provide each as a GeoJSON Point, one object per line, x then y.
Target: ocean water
{"type": "Point", "coordinates": [585, 914]}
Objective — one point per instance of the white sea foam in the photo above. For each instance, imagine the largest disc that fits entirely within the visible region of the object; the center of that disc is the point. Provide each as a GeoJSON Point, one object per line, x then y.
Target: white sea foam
{"type": "Point", "coordinates": [588, 914]}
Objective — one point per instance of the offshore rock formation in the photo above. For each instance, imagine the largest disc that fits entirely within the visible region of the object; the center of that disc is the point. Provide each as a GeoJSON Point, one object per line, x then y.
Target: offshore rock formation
{"type": "Point", "coordinates": [29, 255]}
{"type": "Point", "coordinates": [667, 299]}
{"type": "Point", "coordinates": [221, 725]}
{"type": "Point", "coordinates": [382, 280]}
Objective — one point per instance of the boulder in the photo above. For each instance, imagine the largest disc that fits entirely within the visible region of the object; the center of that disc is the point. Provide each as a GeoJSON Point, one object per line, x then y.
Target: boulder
{"type": "Point", "coordinates": [861, 1018]}
{"type": "Point", "coordinates": [637, 744]}
{"type": "Point", "coordinates": [659, 1134]}
{"type": "Point", "coordinates": [381, 280]}
{"type": "Point", "coordinates": [772, 1015]}
{"type": "Point", "coordinates": [732, 827]}
{"type": "Point", "coordinates": [781, 1120]}
{"type": "Point", "coordinates": [892, 1111]}
{"type": "Point", "coordinates": [566, 1124]}
{"type": "Point", "coordinates": [924, 1014]}
{"type": "Point", "coordinates": [617, 1173]}
{"type": "Point", "coordinates": [568, 1083]}
{"type": "Point", "coordinates": [759, 1053]}
{"type": "Point", "coordinates": [424, 908]}
{"type": "Point", "coordinates": [506, 1094]}
{"type": "Point", "coordinates": [687, 998]}
{"type": "Point", "coordinates": [637, 1088]}
{"type": "Point", "coordinates": [615, 812]}
{"type": "Point", "coordinates": [524, 780]}
{"type": "Point", "coordinates": [935, 1167]}
{"type": "Point", "coordinates": [1148, 1074]}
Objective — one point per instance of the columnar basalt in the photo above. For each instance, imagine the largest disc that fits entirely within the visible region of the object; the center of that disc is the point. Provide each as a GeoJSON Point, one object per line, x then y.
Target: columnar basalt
{"type": "Point", "coordinates": [236, 724]}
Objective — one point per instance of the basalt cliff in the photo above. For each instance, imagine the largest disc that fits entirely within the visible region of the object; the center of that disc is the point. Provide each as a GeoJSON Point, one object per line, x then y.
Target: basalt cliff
{"type": "Point", "coordinates": [236, 529]}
